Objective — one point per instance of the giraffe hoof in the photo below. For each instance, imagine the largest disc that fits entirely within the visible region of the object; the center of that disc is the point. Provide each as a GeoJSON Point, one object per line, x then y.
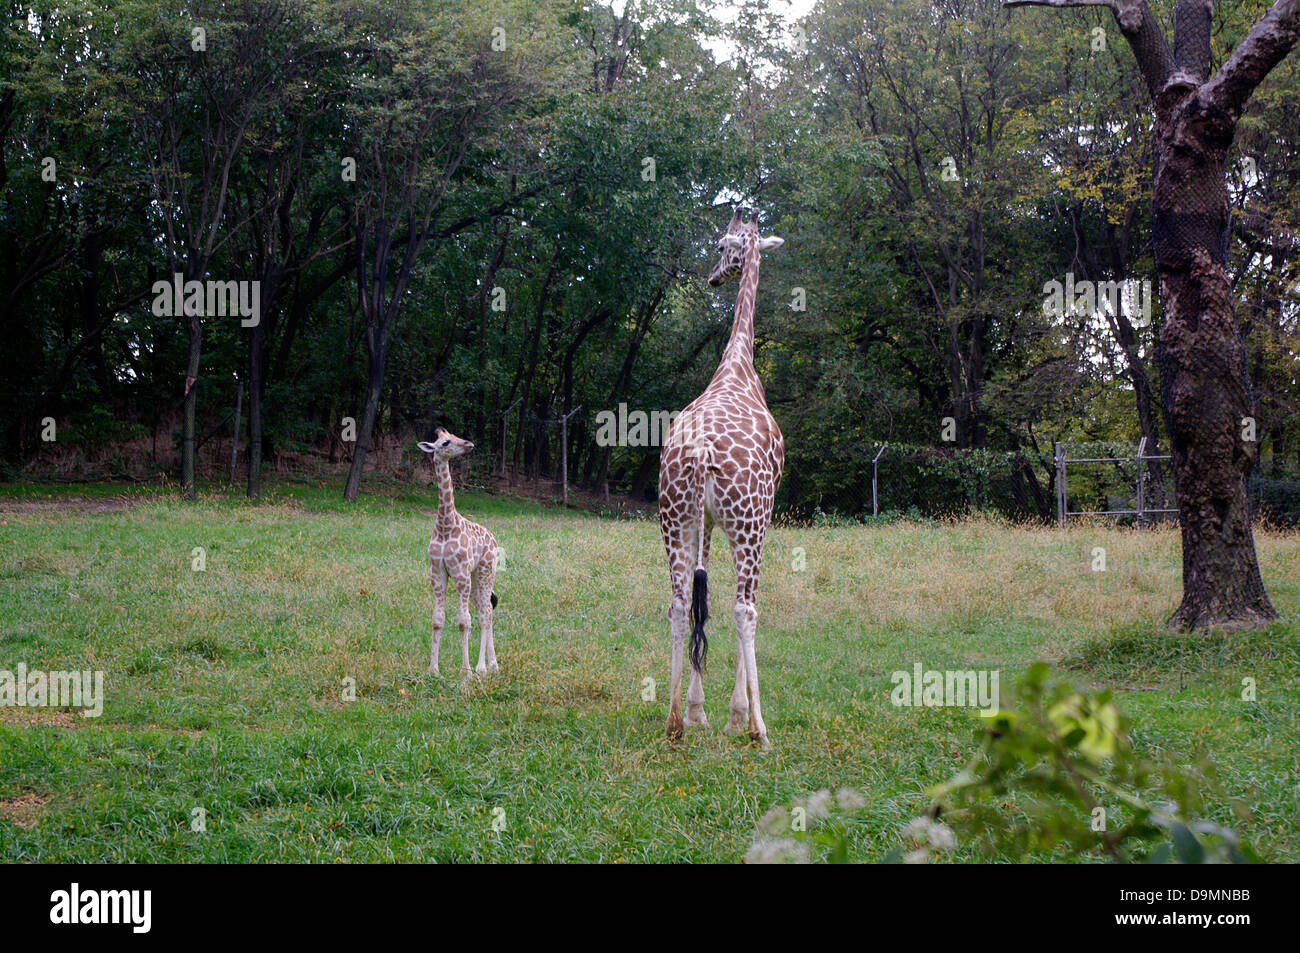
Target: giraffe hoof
{"type": "Point", "coordinates": [697, 721]}
{"type": "Point", "coordinates": [675, 728]}
{"type": "Point", "coordinates": [737, 723]}
{"type": "Point", "coordinates": [433, 670]}
{"type": "Point", "coordinates": [481, 671]}
{"type": "Point", "coordinates": [493, 668]}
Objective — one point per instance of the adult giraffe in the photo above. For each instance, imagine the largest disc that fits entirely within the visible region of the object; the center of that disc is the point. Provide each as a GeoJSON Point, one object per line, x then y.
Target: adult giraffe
{"type": "Point", "coordinates": [721, 464]}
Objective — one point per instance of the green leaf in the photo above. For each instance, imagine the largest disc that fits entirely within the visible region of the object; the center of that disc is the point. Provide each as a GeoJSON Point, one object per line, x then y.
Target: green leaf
{"type": "Point", "coordinates": [1187, 848]}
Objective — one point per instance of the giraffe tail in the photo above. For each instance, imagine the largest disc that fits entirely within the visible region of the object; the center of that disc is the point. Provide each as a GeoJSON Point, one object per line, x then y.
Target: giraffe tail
{"type": "Point", "coordinates": [700, 588]}
{"type": "Point", "coordinates": [699, 615]}
{"type": "Point", "coordinates": [494, 600]}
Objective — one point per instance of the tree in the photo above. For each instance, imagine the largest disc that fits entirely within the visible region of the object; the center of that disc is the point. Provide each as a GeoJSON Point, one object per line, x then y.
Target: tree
{"type": "Point", "coordinates": [69, 199]}
{"type": "Point", "coordinates": [1202, 353]}
{"type": "Point", "coordinates": [1097, 134]}
{"type": "Point", "coordinates": [195, 94]}
{"type": "Point", "coordinates": [936, 88]}
{"type": "Point", "coordinates": [288, 192]}
{"type": "Point", "coordinates": [431, 87]}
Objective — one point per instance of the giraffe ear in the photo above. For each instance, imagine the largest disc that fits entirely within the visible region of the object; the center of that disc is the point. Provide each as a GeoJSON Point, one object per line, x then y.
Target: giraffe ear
{"type": "Point", "coordinates": [426, 446]}
{"type": "Point", "coordinates": [770, 242]}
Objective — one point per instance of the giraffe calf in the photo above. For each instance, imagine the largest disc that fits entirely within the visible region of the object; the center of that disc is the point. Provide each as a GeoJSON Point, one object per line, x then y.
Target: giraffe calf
{"type": "Point", "coordinates": [464, 552]}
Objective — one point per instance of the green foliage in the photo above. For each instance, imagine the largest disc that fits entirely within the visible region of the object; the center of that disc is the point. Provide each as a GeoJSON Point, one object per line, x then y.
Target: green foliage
{"type": "Point", "coordinates": [921, 287]}
{"type": "Point", "coordinates": [1056, 771]}
{"type": "Point", "coordinates": [1057, 766]}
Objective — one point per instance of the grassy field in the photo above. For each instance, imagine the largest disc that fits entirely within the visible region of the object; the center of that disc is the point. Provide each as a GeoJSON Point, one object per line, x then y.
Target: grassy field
{"type": "Point", "coordinates": [224, 688]}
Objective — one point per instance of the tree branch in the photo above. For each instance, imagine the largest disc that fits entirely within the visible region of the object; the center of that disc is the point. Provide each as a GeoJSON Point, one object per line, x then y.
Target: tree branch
{"type": "Point", "coordinates": [1192, 37]}
{"type": "Point", "coordinates": [1139, 27]}
{"type": "Point", "coordinates": [1269, 41]}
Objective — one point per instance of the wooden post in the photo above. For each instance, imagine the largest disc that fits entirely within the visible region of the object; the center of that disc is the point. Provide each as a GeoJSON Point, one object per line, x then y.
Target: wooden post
{"type": "Point", "coordinates": [564, 453]}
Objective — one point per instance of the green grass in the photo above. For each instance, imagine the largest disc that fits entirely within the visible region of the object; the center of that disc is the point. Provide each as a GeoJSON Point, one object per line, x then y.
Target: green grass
{"type": "Point", "coordinates": [224, 687]}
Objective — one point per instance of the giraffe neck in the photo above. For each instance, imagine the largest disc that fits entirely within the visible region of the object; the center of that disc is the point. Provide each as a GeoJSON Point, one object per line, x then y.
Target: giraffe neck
{"type": "Point", "coordinates": [446, 499]}
{"type": "Point", "coordinates": [741, 345]}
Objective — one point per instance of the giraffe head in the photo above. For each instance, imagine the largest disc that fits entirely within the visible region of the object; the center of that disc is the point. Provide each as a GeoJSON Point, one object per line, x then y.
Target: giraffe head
{"type": "Point", "coordinates": [732, 246]}
{"type": "Point", "coordinates": [445, 445]}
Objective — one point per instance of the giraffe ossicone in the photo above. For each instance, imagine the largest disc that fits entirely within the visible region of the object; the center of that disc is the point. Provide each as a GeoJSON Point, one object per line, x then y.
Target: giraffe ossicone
{"type": "Point", "coordinates": [464, 552]}
{"type": "Point", "coordinates": [721, 465]}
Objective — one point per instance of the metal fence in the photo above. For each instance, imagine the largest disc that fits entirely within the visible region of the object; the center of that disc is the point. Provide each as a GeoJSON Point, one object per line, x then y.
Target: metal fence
{"type": "Point", "coordinates": [1141, 511]}
{"type": "Point", "coordinates": [905, 480]}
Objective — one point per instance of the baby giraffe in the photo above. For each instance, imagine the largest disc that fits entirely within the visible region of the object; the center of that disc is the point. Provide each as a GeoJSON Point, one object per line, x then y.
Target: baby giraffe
{"type": "Point", "coordinates": [466, 553]}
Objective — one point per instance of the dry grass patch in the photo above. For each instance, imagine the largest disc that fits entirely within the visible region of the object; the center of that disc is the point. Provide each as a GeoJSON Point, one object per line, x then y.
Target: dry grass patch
{"type": "Point", "coordinates": [36, 717]}
{"type": "Point", "coordinates": [24, 810]}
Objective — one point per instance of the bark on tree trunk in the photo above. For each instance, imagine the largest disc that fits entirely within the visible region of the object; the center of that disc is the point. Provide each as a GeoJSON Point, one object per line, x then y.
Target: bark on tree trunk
{"type": "Point", "coordinates": [1203, 377]}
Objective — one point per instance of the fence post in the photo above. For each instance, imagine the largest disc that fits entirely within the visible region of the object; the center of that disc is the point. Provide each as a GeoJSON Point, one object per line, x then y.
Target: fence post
{"type": "Point", "coordinates": [874, 460]}
{"type": "Point", "coordinates": [1141, 483]}
{"type": "Point", "coordinates": [1062, 500]}
{"type": "Point", "coordinates": [564, 453]}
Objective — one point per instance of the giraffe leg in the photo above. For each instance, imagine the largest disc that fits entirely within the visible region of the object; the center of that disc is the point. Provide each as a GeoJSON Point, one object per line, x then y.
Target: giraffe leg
{"type": "Point", "coordinates": [489, 586]}
{"type": "Point", "coordinates": [695, 702]}
{"type": "Point", "coordinates": [746, 624]}
{"type": "Point", "coordinates": [739, 717]}
{"type": "Point", "coordinates": [487, 657]}
{"type": "Point", "coordinates": [739, 695]}
{"type": "Point", "coordinates": [438, 579]}
{"type": "Point", "coordinates": [491, 577]}
{"type": "Point", "coordinates": [695, 692]}
{"type": "Point", "coordinates": [679, 624]}
{"type": "Point", "coordinates": [747, 553]}
{"type": "Point", "coordinates": [704, 553]}
{"type": "Point", "coordinates": [463, 586]}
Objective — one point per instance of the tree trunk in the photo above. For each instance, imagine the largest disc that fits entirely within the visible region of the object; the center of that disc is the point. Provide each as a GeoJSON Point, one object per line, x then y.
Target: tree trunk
{"type": "Point", "coordinates": [272, 281]}
{"type": "Point", "coordinates": [194, 322]}
{"type": "Point", "coordinates": [374, 387]}
{"type": "Point", "coordinates": [256, 357]}
{"type": "Point", "coordinates": [1203, 377]}
{"type": "Point", "coordinates": [481, 386]}
{"type": "Point", "coordinates": [1202, 355]}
